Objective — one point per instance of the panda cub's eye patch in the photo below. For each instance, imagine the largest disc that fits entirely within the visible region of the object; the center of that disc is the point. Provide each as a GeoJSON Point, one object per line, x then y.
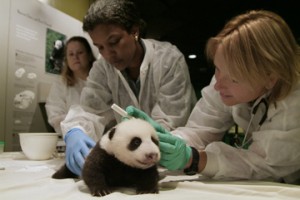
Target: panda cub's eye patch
{"type": "Point", "coordinates": [155, 141]}
{"type": "Point", "coordinates": [111, 133]}
{"type": "Point", "coordinates": [134, 143]}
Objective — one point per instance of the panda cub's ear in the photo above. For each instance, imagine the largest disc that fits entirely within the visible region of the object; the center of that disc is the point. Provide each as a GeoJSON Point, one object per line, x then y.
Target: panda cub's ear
{"type": "Point", "coordinates": [111, 133]}
{"type": "Point", "coordinates": [105, 141]}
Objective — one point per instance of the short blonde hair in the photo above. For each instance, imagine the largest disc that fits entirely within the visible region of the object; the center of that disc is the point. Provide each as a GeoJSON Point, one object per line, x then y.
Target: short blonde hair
{"type": "Point", "coordinates": [256, 44]}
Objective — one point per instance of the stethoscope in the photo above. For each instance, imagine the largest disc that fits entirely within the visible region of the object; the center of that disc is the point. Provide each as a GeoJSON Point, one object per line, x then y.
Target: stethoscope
{"type": "Point", "coordinates": [245, 142]}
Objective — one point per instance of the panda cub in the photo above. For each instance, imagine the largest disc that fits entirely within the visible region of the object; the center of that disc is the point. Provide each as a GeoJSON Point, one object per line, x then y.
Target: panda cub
{"type": "Point", "coordinates": [125, 156]}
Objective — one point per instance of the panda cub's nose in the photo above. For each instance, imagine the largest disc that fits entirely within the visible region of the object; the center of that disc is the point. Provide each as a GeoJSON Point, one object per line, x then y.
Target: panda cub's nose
{"type": "Point", "coordinates": [151, 157]}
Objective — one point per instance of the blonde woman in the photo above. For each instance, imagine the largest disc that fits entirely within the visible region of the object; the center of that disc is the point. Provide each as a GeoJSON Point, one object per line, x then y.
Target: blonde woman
{"type": "Point", "coordinates": [256, 86]}
{"type": "Point", "coordinates": [66, 91]}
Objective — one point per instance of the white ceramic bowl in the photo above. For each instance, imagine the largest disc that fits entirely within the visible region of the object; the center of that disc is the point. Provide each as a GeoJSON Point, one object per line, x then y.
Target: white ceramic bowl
{"type": "Point", "coordinates": [38, 146]}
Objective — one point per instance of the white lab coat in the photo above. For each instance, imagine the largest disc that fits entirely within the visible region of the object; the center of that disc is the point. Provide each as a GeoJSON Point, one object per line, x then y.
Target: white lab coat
{"type": "Point", "coordinates": [274, 152]}
{"type": "Point", "coordinates": [60, 99]}
{"type": "Point", "coordinates": [166, 92]}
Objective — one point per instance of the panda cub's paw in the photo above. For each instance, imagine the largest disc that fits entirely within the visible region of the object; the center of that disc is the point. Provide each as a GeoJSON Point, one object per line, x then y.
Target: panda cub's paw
{"type": "Point", "coordinates": [100, 192]}
{"type": "Point", "coordinates": [143, 191]}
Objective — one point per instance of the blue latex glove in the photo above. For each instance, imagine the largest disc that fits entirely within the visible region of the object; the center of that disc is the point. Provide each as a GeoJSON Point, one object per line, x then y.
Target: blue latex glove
{"type": "Point", "coordinates": [78, 146]}
{"type": "Point", "coordinates": [175, 154]}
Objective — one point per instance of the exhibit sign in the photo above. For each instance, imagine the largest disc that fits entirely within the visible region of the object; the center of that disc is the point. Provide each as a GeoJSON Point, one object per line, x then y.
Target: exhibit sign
{"type": "Point", "coordinates": [37, 33]}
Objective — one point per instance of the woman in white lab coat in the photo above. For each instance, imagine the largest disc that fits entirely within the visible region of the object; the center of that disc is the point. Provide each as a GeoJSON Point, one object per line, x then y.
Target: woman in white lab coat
{"type": "Point", "coordinates": [256, 86]}
{"type": "Point", "coordinates": [148, 74]}
{"type": "Point", "coordinates": [66, 90]}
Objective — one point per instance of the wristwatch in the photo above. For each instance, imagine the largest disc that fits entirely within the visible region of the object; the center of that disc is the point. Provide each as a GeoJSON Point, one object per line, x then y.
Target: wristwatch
{"type": "Point", "coordinates": [193, 169]}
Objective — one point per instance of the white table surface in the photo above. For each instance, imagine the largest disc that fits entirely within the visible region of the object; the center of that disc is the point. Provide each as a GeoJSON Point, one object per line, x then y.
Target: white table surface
{"type": "Point", "coordinates": [21, 178]}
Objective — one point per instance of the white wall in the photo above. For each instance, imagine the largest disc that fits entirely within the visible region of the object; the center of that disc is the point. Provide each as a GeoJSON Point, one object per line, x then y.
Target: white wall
{"type": "Point", "coordinates": [4, 16]}
{"type": "Point", "coordinates": [24, 36]}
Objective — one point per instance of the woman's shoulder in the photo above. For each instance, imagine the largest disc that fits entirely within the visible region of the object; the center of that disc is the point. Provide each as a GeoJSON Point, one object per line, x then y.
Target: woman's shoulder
{"type": "Point", "coordinates": [58, 82]}
{"type": "Point", "coordinates": [293, 98]}
{"type": "Point", "coordinates": [289, 104]}
{"type": "Point", "coordinates": [161, 48]}
{"type": "Point", "coordinates": [160, 53]}
{"type": "Point", "coordinates": [101, 65]}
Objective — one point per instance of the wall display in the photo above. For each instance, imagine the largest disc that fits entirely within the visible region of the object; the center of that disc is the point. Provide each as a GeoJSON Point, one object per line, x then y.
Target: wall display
{"type": "Point", "coordinates": [54, 51]}
{"type": "Point", "coordinates": [37, 33]}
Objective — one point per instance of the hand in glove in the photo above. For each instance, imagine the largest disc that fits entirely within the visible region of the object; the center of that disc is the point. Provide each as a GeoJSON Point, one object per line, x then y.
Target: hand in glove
{"type": "Point", "coordinates": [78, 146]}
{"type": "Point", "coordinates": [175, 154]}
{"type": "Point", "coordinates": [134, 112]}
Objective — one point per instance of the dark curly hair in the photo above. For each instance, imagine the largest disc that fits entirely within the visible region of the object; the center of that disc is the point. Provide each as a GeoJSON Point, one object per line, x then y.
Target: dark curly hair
{"type": "Point", "coordinates": [123, 13]}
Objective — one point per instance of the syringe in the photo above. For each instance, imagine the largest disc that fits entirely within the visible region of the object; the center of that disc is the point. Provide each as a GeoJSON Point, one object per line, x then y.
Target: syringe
{"type": "Point", "coordinates": [121, 111]}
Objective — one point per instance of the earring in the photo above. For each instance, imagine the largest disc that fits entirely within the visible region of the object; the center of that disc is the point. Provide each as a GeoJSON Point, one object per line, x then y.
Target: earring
{"type": "Point", "coordinates": [136, 37]}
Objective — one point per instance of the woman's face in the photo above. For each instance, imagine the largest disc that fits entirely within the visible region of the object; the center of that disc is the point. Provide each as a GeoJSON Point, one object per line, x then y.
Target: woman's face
{"type": "Point", "coordinates": [77, 57]}
{"type": "Point", "coordinates": [234, 92]}
{"type": "Point", "coordinates": [115, 45]}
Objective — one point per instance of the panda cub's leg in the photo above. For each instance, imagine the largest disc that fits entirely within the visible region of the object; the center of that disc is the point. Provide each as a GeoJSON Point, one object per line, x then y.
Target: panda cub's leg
{"type": "Point", "coordinates": [148, 181]}
{"type": "Point", "coordinates": [93, 173]}
{"type": "Point", "coordinates": [63, 173]}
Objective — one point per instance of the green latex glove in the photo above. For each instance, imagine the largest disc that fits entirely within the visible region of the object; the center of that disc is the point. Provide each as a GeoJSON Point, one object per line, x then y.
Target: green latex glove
{"type": "Point", "coordinates": [175, 154]}
{"type": "Point", "coordinates": [134, 112]}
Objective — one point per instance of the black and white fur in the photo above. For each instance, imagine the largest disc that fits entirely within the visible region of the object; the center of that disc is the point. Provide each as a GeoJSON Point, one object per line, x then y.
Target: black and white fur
{"type": "Point", "coordinates": [126, 156]}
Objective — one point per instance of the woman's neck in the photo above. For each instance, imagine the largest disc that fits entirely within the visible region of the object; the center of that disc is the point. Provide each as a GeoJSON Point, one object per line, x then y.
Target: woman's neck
{"type": "Point", "coordinates": [133, 71]}
{"type": "Point", "coordinates": [81, 75]}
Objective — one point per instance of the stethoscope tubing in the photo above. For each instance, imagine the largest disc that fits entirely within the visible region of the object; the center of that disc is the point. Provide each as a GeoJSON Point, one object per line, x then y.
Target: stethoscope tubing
{"type": "Point", "coordinates": [253, 113]}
